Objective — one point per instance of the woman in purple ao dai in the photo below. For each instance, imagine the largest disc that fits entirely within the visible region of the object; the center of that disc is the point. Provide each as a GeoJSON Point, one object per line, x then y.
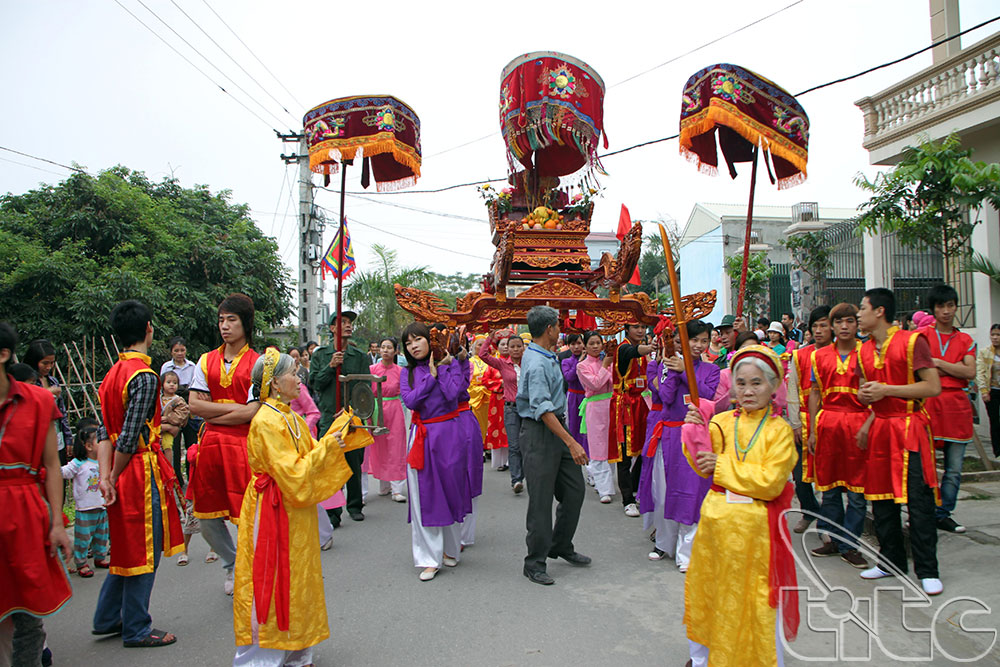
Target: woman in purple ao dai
{"type": "Point", "coordinates": [437, 463]}
{"type": "Point", "coordinates": [670, 492]}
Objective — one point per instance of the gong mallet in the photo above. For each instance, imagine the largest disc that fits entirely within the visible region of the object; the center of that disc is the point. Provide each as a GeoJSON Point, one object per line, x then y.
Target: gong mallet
{"type": "Point", "coordinates": [680, 316]}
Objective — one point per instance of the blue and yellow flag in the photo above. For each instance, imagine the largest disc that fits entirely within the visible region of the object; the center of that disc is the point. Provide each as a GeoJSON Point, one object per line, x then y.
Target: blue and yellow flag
{"type": "Point", "coordinates": [330, 264]}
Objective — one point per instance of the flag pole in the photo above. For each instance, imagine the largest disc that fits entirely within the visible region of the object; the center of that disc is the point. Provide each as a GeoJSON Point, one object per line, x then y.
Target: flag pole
{"type": "Point", "coordinates": [340, 277]}
{"type": "Point", "coordinates": [746, 240]}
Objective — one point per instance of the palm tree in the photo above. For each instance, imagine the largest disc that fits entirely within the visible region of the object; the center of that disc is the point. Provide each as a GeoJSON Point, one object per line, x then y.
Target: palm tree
{"type": "Point", "coordinates": [372, 295]}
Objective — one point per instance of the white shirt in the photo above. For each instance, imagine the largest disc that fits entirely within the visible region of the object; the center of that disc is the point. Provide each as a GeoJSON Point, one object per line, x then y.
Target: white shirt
{"type": "Point", "coordinates": [185, 373]}
{"type": "Point", "coordinates": [200, 383]}
{"type": "Point", "coordinates": [85, 476]}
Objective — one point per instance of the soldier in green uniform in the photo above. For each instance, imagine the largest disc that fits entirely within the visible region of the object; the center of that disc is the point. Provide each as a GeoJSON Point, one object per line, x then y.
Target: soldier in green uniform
{"type": "Point", "coordinates": [326, 365]}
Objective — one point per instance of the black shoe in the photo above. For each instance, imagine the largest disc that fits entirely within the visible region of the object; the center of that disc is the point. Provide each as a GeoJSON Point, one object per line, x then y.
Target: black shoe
{"type": "Point", "coordinates": [539, 576]}
{"type": "Point", "coordinates": [502, 468]}
{"type": "Point", "coordinates": [950, 525]}
{"type": "Point", "coordinates": [357, 516]}
{"type": "Point", "coordinates": [573, 558]}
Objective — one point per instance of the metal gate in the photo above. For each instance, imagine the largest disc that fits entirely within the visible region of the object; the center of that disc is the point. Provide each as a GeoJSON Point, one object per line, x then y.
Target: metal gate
{"type": "Point", "coordinates": [780, 291]}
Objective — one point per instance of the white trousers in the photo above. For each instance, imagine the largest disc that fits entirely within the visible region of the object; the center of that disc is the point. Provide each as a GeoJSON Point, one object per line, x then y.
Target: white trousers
{"type": "Point", "coordinates": [255, 656]}
{"type": "Point", "coordinates": [699, 652]}
{"type": "Point", "coordinates": [676, 539]}
{"type": "Point", "coordinates": [325, 527]}
{"type": "Point", "coordinates": [430, 543]}
{"type": "Point", "coordinates": [604, 477]}
{"type": "Point", "coordinates": [469, 525]}
{"type": "Point", "coordinates": [395, 486]}
{"type": "Point", "coordinates": [364, 486]}
{"type": "Point", "coordinates": [498, 458]}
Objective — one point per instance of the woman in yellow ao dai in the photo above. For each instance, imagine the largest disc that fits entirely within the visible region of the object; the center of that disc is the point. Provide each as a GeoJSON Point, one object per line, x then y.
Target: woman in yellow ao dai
{"type": "Point", "coordinates": [729, 619]}
{"type": "Point", "coordinates": [279, 610]}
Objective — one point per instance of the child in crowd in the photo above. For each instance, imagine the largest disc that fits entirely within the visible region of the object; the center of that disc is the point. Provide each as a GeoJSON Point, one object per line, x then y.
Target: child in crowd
{"type": "Point", "coordinates": [91, 530]}
{"type": "Point", "coordinates": [190, 525]}
{"type": "Point", "coordinates": [173, 412]}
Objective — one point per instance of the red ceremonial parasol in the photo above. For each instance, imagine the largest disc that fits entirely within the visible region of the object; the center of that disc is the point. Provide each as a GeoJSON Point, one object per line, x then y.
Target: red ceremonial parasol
{"type": "Point", "coordinates": [551, 114]}
{"type": "Point", "coordinates": [751, 115]}
{"type": "Point", "coordinates": [383, 131]}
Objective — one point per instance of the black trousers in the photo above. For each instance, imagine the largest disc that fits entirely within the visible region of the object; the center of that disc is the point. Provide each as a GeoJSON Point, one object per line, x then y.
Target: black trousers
{"type": "Point", "coordinates": [629, 473]}
{"type": "Point", "coordinates": [993, 412]}
{"type": "Point", "coordinates": [354, 499]}
{"type": "Point", "coordinates": [923, 525]}
{"type": "Point", "coordinates": [550, 472]}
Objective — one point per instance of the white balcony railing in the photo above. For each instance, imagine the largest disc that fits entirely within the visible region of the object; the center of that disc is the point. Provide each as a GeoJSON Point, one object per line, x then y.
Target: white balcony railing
{"type": "Point", "coordinates": [964, 82]}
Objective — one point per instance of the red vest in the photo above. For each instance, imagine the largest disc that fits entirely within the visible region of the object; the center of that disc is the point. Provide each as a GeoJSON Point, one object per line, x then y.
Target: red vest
{"type": "Point", "coordinates": [129, 519]}
{"type": "Point", "coordinates": [802, 363]}
{"type": "Point", "coordinates": [893, 366]}
{"type": "Point", "coordinates": [837, 380]}
{"type": "Point", "coordinates": [231, 387]}
{"type": "Point", "coordinates": [952, 348]}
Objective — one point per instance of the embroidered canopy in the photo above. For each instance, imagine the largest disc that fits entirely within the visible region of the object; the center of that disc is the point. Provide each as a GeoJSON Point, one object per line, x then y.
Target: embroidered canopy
{"type": "Point", "coordinates": [551, 113]}
{"type": "Point", "coordinates": [379, 128]}
{"type": "Point", "coordinates": [748, 110]}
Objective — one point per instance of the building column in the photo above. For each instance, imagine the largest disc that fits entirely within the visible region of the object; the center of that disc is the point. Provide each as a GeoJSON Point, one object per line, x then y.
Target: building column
{"type": "Point", "coordinates": [986, 293]}
{"type": "Point", "coordinates": [875, 269]}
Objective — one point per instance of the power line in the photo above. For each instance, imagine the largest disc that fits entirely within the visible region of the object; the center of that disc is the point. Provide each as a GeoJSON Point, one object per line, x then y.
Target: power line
{"type": "Point", "coordinates": [353, 220]}
{"type": "Point", "coordinates": [42, 159]}
{"type": "Point", "coordinates": [707, 44]}
{"type": "Point", "coordinates": [254, 55]}
{"type": "Point", "coordinates": [200, 71]}
{"type": "Point", "coordinates": [242, 69]}
{"type": "Point", "coordinates": [206, 59]}
{"type": "Point", "coordinates": [31, 166]}
{"type": "Point", "coordinates": [419, 210]}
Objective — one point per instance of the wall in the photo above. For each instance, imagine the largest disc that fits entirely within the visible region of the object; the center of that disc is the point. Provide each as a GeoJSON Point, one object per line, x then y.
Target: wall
{"type": "Point", "coordinates": [702, 270]}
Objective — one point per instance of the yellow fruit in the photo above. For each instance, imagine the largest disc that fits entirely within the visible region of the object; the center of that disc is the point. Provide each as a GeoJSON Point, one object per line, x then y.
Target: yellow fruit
{"type": "Point", "coordinates": [542, 213]}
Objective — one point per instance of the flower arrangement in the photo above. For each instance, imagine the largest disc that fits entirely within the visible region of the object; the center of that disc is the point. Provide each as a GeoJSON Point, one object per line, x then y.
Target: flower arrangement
{"type": "Point", "coordinates": [502, 199]}
{"type": "Point", "coordinates": [580, 202]}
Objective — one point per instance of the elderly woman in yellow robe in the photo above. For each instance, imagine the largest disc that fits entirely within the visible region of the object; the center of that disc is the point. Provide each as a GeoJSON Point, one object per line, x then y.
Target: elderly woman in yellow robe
{"type": "Point", "coordinates": [279, 611]}
{"type": "Point", "coordinates": [741, 564]}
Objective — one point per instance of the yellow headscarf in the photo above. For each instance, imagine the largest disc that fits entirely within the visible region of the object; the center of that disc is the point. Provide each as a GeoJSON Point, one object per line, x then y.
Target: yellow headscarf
{"type": "Point", "coordinates": [271, 357]}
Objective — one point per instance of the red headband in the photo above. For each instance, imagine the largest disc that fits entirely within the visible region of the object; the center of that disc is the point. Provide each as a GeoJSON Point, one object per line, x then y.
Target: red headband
{"type": "Point", "coordinates": [749, 352]}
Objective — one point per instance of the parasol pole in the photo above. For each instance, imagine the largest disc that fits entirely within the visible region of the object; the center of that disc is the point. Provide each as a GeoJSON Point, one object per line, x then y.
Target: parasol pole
{"type": "Point", "coordinates": [746, 238]}
{"type": "Point", "coordinates": [340, 277]}
{"type": "Point", "coordinates": [680, 315]}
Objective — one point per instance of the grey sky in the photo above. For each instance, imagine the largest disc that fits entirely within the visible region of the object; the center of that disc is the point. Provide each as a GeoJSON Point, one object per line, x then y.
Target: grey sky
{"type": "Point", "coordinates": [84, 82]}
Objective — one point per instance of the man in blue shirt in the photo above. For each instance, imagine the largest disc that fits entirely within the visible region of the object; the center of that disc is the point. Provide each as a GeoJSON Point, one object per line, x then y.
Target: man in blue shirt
{"type": "Point", "coordinates": [550, 456]}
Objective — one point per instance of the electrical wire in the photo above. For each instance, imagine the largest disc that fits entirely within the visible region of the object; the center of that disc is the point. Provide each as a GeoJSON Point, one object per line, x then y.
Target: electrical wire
{"type": "Point", "coordinates": [440, 214]}
{"type": "Point", "coordinates": [31, 166]}
{"type": "Point", "coordinates": [242, 69]}
{"type": "Point", "coordinates": [200, 70]}
{"type": "Point", "coordinates": [42, 159]}
{"type": "Point", "coordinates": [250, 51]}
{"type": "Point", "coordinates": [206, 59]}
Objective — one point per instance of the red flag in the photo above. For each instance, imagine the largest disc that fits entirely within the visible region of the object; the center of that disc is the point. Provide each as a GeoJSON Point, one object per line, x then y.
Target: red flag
{"type": "Point", "coordinates": [624, 225]}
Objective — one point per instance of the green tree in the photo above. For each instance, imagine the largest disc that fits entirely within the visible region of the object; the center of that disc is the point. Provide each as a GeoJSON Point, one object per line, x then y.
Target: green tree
{"type": "Point", "coordinates": [812, 253]}
{"type": "Point", "coordinates": [758, 281]}
{"type": "Point", "coordinates": [70, 252]}
{"type": "Point", "coordinates": [372, 294]}
{"type": "Point", "coordinates": [454, 286]}
{"type": "Point", "coordinates": [932, 197]}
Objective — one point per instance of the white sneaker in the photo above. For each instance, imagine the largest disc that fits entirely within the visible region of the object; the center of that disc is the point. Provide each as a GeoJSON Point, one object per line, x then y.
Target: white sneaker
{"type": "Point", "coordinates": [932, 586]}
{"type": "Point", "coordinates": [326, 546]}
{"type": "Point", "coordinates": [683, 568]}
{"type": "Point", "coordinates": [605, 499]}
{"type": "Point", "coordinates": [632, 510]}
{"type": "Point", "coordinates": [448, 561]}
{"type": "Point", "coordinates": [399, 498]}
{"type": "Point", "coordinates": [875, 573]}
{"type": "Point", "coordinates": [230, 583]}
{"type": "Point", "coordinates": [591, 481]}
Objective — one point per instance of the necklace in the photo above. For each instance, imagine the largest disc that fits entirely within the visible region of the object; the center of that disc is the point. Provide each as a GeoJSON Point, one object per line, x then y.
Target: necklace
{"type": "Point", "coordinates": [294, 431]}
{"type": "Point", "coordinates": [753, 440]}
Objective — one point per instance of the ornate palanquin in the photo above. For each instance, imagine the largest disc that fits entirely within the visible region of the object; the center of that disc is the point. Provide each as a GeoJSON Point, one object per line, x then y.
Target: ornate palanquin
{"type": "Point", "coordinates": [551, 117]}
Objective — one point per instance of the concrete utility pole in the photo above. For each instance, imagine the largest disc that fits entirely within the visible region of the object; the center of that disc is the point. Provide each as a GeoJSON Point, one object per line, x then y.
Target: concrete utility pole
{"type": "Point", "coordinates": [310, 284]}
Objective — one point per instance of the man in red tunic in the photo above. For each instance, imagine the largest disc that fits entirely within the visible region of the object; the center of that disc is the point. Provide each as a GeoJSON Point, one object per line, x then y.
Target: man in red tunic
{"type": "Point", "coordinates": [954, 355]}
{"type": "Point", "coordinates": [799, 382]}
{"type": "Point", "coordinates": [627, 432]}
{"type": "Point", "coordinates": [220, 394]}
{"type": "Point", "coordinates": [137, 484]}
{"type": "Point", "coordinates": [897, 375]}
{"type": "Point", "coordinates": [836, 418]}
{"type": "Point", "coordinates": [34, 583]}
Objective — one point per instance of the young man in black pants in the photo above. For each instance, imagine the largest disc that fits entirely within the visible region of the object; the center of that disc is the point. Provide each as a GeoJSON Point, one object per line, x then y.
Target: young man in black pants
{"type": "Point", "coordinates": [628, 413]}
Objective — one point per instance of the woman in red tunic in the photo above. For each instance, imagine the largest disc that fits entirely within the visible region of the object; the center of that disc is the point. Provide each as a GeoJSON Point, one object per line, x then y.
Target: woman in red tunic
{"type": "Point", "coordinates": [220, 394]}
{"type": "Point", "coordinates": [34, 581]}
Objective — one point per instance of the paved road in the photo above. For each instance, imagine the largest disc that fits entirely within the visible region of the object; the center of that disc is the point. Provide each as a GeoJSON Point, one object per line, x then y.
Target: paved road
{"type": "Point", "coordinates": [623, 609]}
